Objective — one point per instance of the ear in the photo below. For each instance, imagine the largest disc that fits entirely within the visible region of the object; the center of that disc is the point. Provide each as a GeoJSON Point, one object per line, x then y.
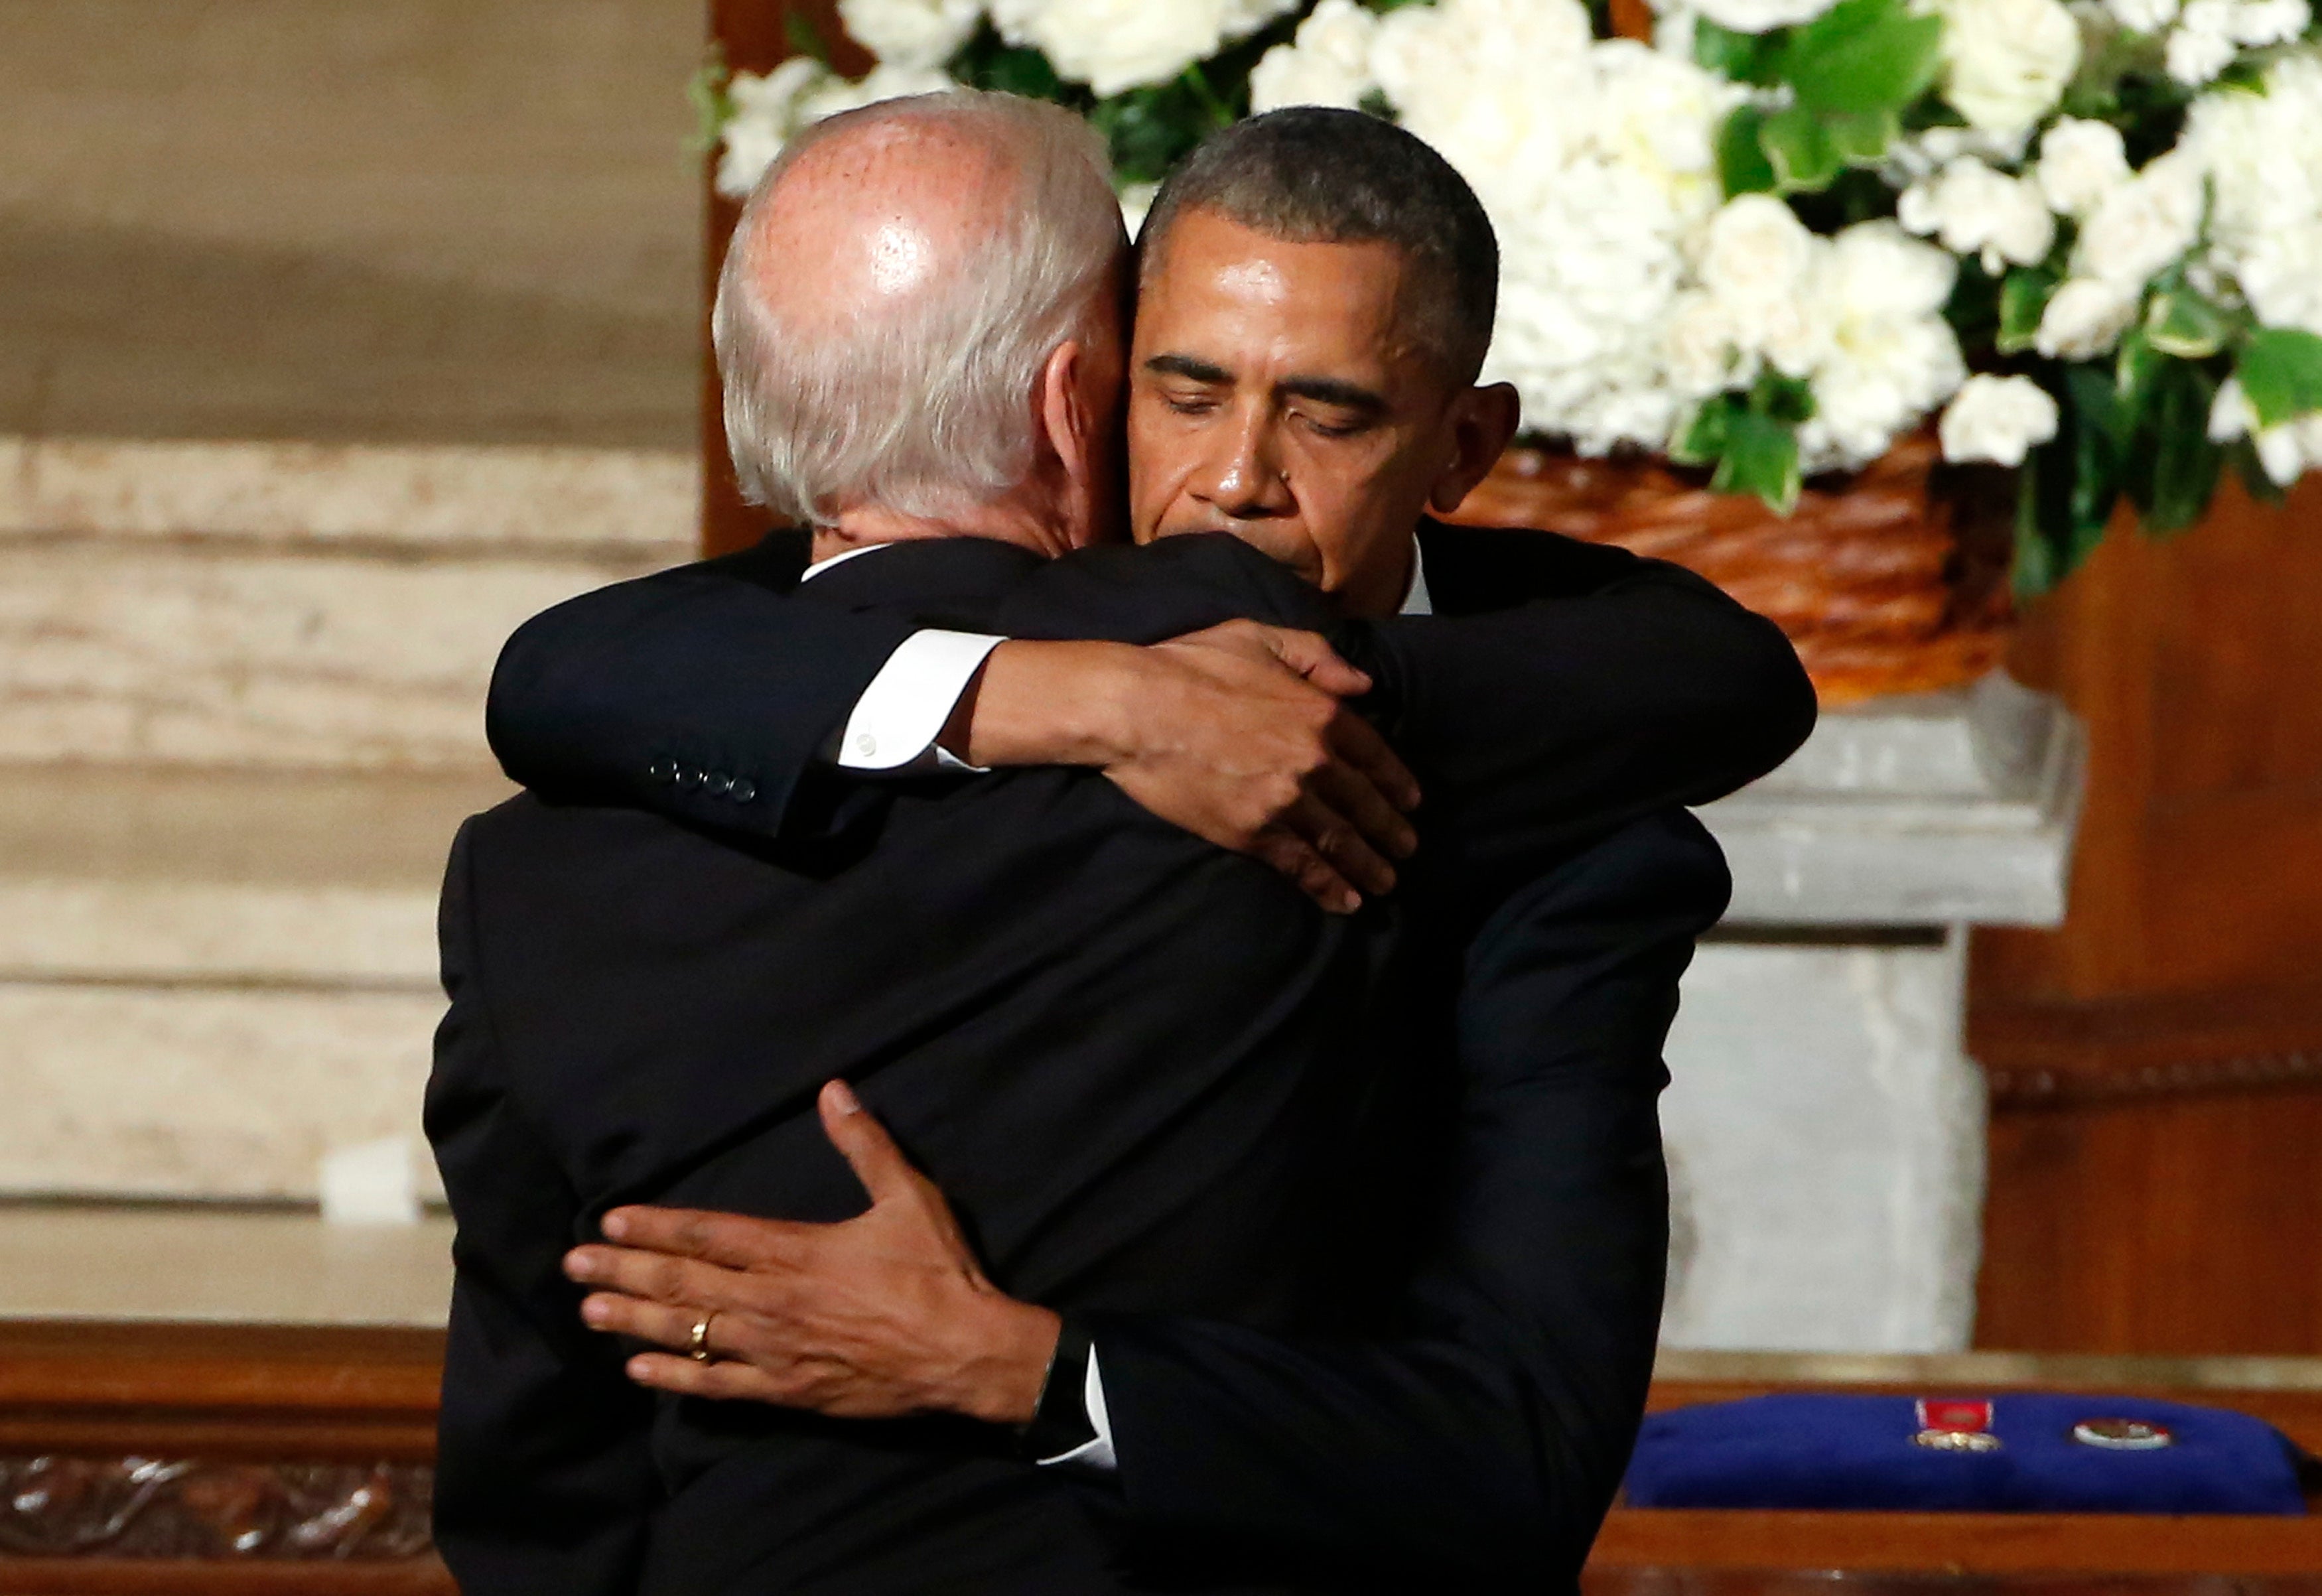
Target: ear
{"type": "Point", "coordinates": [1068, 426]}
{"type": "Point", "coordinates": [1484, 422]}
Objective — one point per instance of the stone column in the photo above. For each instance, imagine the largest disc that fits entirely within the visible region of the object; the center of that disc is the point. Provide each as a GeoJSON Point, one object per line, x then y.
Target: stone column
{"type": "Point", "coordinates": [1825, 1129]}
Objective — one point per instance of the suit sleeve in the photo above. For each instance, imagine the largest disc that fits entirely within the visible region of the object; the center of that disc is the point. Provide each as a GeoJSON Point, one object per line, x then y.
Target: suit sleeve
{"type": "Point", "coordinates": [542, 1482]}
{"type": "Point", "coordinates": [1534, 727]}
{"type": "Point", "coordinates": [707, 692]}
{"type": "Point", "coordinates": [1482, 1448]}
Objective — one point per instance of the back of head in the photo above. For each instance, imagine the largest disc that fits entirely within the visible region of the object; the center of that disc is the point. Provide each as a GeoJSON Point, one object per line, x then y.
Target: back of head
{"type": "Point", "coordinates": [896, 283]}
{"type": "Point", "coordinates": [1314, 174]}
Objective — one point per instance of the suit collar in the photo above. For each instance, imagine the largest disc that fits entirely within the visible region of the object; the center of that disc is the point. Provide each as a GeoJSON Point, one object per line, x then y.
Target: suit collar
{"type": "Point", "coordinates": [920, 570]}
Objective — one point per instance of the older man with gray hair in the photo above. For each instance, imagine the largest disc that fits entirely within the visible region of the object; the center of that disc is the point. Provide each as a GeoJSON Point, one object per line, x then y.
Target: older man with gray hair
{"type": "Point", "coordinates": [1154, 1080]}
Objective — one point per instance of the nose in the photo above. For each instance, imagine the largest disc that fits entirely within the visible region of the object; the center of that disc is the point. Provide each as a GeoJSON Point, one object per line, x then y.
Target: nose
{"type": "Point", "coordinates": [1243, 478]}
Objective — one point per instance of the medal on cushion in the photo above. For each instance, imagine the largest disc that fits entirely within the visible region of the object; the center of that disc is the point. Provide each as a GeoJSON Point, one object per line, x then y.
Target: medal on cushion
{"type": "Point", "coordinates": [2123, 1434]}
{"type": "Point", "coordinates": [1955, 1426]}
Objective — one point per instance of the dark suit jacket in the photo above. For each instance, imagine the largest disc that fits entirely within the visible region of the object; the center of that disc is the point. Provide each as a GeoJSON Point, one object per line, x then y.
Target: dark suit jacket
{"type": "Point", "coordinates": [1168, 1167]}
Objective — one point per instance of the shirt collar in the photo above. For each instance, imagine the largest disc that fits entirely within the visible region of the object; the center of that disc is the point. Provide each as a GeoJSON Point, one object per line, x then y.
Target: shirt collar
{"type": "Point", "coordinates": [1415, 602]}
{"type": "Point", "coordinates": [819, 566]}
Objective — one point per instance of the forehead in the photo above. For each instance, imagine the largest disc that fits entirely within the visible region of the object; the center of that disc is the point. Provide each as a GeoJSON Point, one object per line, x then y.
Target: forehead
{"type": "Point", "coordinates": [1221, 289]}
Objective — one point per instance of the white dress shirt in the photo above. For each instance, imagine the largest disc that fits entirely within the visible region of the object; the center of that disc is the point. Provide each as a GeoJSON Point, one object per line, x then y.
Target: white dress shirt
{"type": "Point", "coordinates": [893, 731]}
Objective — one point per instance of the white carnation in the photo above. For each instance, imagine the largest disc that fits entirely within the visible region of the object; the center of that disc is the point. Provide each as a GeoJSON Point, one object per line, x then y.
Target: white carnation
{"type": "Point", "coordinates": [1328, 64]}
{"type": "Point", "coordinates": [2008, 61]}
{"type": "Point", "coordinates": [1975, 210]}
{"type": "Point", "coordinates": [1700, 351]}
{"type": "Point", "coordinates": [1755, 262]}
{"type": "Point", "coordinates": [1115, 45]}
{"type": "Point", "coordinates": [911, 33]}
{"type": "Point", "coordinates": [2286, 452]}
{"type": "Point", "coordinates": [884, 82]}
{"type": "Point", "coordinates": [2085, 318]}
{"type": "Point", "coordinates": [1888, 357]}
{"type": "Point", "coordinates": [2080, 162]}
{"type": "Point", "coordinates": [2143, 16]}
{"type": "Point", "coordinates": [2262, 155]}
{"type": "Point", "coordinates": [1756, 16]}
{"type": "Point", "coordinates": [1998, 420]}
{"type": "Point", "coordinates": [2145, 224]}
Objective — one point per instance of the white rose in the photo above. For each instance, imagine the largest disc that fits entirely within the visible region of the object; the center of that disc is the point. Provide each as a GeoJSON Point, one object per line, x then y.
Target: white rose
{"type": "Point", "coordinates": [1328, 64]}
{"type": "Point", "coordinates": [2080, 162]}
{"type": "Point", "coordinates": [2144, 224]}
{"type": "Point", "coordinates": [2260, 23]}
{"type": "Point", "coordinates": [768, 108]}
{"type": "Point", "coordinates": [2008, 61]}
{"type": "Point", "coordinates": [2084, 318]}
{"type": "Point", "coordinates": [882, 82]}
{"type": "Point", "coordinates": [2143, 16]}
{"type": "Point", "coordinates": [1997, 419]}
{"type": "Point", "coordinates": [1756, 16]}
{"type": "Point", "coordinates": [1974, 209]}
{"type": "Point", "coordinates": [1888, 357]}
{"type": "Point", "coordinates": [911, 33]}
{"type": "Point", "coordinates": [1115, 45]}
{"type": "Point", "coordinates": [1754, 262]}
{"type": "Point", "coordinates": [1135, 202]}
{"type": "Point", "coordinates": [2201, 45]}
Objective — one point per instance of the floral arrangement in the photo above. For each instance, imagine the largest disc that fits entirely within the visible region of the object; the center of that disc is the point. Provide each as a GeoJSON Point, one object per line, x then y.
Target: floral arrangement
{"type": "Point", "coordinates": [2082, 238]}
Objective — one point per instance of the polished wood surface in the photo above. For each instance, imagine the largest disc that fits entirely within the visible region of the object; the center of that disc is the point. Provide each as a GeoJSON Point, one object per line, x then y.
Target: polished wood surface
{"type": "Point", "coordinates": [2156, 1065]}
{"type": "Point", "coordinates": [753, 36]}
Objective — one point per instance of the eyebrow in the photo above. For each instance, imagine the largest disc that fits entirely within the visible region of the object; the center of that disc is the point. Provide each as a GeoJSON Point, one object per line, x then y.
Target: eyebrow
{"type": "Point", "coordinates": [1321, 391]}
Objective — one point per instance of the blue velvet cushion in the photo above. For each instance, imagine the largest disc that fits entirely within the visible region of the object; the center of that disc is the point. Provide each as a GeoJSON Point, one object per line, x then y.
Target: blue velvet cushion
{"type": "Point", "coordinates": [1832, 1451]}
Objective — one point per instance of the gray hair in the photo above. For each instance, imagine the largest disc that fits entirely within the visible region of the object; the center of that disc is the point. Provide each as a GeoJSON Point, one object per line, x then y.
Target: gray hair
{"type": "Point", "coordinates": [930, 412]}
{"type": "Point", "coordinates": [1314, 174]}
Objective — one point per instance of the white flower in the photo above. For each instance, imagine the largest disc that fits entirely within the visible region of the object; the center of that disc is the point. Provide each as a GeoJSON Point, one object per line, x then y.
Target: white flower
{"type": "Point", "coordinates": [911, 33]}
{"type": "Point", "coordinates": [2144, 224]}
{"type": "Point", "coordinates": [1755, 262]}
{"type": "Point", "coordinates": [2260, 23]}
{"type": "Point", "coordinates": [767, 110]}
{"type": "Point", "coordinates": [2262, 155]}
{"type": "Point", "coordinates": [1135, 202]}
{"type": "Point", "coordinates": [2285, 452]}
{"type": "Point", "coordinates": [1756, 16]}
{"type": "Point", "coordinates": [1114, 45]}
{"type": "Point", "coordinates": [1328, 64]}
{"type": "Point", "coordinates": [1974, 209]}
{"type": "Point", "coordinates": [2008, 61]}
{"type": "Point", "coordinates": [1887, 355]}
{"type": "Point", "coordinates": [2085, 318]}
{"type": "Point", "coordinates": [2201, 45]}
{"type": "Point", "coordinates": [1699, 349]}
{"type": "Point", "coordinates": [1997, 419]}
{"type": "Point", "coordinates": [2080, 162]}
{"type": "Point", "coordinates": [2143, 16]}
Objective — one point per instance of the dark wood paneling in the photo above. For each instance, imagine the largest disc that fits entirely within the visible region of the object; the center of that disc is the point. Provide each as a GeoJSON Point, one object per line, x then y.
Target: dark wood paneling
{"type": "Point", "coordinates": [2157, 1063]}
{"type": "Point", "coordinates": [754, 36]}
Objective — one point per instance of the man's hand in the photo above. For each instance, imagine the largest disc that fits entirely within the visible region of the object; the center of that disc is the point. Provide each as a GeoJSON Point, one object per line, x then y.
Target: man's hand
{"type": "Point", "coordinates": [880, 1316]}
{"type": "Point", "coordinates": [1238, 734]}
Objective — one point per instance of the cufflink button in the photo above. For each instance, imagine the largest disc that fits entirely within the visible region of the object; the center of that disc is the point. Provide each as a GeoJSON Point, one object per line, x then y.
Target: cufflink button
{"type": "Point", "coordinates": [662, 770]}
{"type": "Point", "coordinates": [690, 778]}
{"type": "Point", "coordinates": [866, 744]}
{"type": "Point", "coordinates": [744, 791]}
{"type": "Point", "coordinates": [720, 785]}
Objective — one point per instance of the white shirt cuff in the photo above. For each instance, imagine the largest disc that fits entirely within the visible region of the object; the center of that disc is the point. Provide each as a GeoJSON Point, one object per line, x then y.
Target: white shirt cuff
{"type": "Point", "coordinates": [899, 716]}
{"type": "Point", "coordinates": [1095, 1453]}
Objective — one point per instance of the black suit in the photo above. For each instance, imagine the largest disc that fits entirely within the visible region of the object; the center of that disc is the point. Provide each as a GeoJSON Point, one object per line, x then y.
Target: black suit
{"type": "Point", "coordinates": [1133, 1061]}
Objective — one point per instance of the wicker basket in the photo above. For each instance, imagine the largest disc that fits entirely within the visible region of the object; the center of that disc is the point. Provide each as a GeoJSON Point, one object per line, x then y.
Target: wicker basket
{"type": "Point", "coordinates": [1890, 581]}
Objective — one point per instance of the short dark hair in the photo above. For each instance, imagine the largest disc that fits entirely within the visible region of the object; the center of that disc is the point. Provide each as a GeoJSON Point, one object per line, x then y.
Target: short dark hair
{"type": "Point", "coordinates": [1315, 174]}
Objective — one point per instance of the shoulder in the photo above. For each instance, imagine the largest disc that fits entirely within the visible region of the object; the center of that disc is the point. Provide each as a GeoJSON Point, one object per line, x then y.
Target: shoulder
{"type": "Point", "coordinates": [1143, 593]}
{"type": "Point", "coordinates": [1471, 569]}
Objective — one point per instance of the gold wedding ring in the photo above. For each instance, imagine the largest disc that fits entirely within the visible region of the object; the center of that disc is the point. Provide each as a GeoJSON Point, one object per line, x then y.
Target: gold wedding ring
{"type": "Point", "coordinates": [698, 1348]}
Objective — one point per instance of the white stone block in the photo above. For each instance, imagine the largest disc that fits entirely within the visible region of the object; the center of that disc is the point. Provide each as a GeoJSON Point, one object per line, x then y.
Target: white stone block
{"type": "Point", "coordinates": [1825, 1141]}
{"type": "Point", "coordinates": [201, 1091]}
{"type": "Point", "coordinates": [546, 498]}
{"type": "Point", "coordinates": [176, 655]}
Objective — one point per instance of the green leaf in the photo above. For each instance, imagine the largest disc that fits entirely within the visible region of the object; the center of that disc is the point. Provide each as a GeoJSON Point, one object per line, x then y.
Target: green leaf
{"type": "Point", "coordinates": [1742, 164]}
{"type": "Point", "coordinates": [2068, 487]}
{"type": "Point", "coordinates": [1860, 138]}
{"type": "Point", "coordinates": [2024, 296]}
{"type": "Point", "coordinates": [805, 39]}
{"type": "Point", "coordinates": [1863, 55]}
{"type": "Point", "coordinates": [1783, 399]}
{"type": "Point", "coordinates": [1703, 438]}
{"type": "Point", "coordinates": [1761, 457]}
{"type": "Point", "coordinates": [2280, 368]}
{"type": "Point", "coordinates": [2171, 466]}
{"type": "Point", "coordinates": [1743, 57]}
{"type": "Point", "coordinates": [1799, 150]}
{"type": "Point", "coordinates": [2182, 323]}
{"type": "Point", "coordinates": [713, 106]}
